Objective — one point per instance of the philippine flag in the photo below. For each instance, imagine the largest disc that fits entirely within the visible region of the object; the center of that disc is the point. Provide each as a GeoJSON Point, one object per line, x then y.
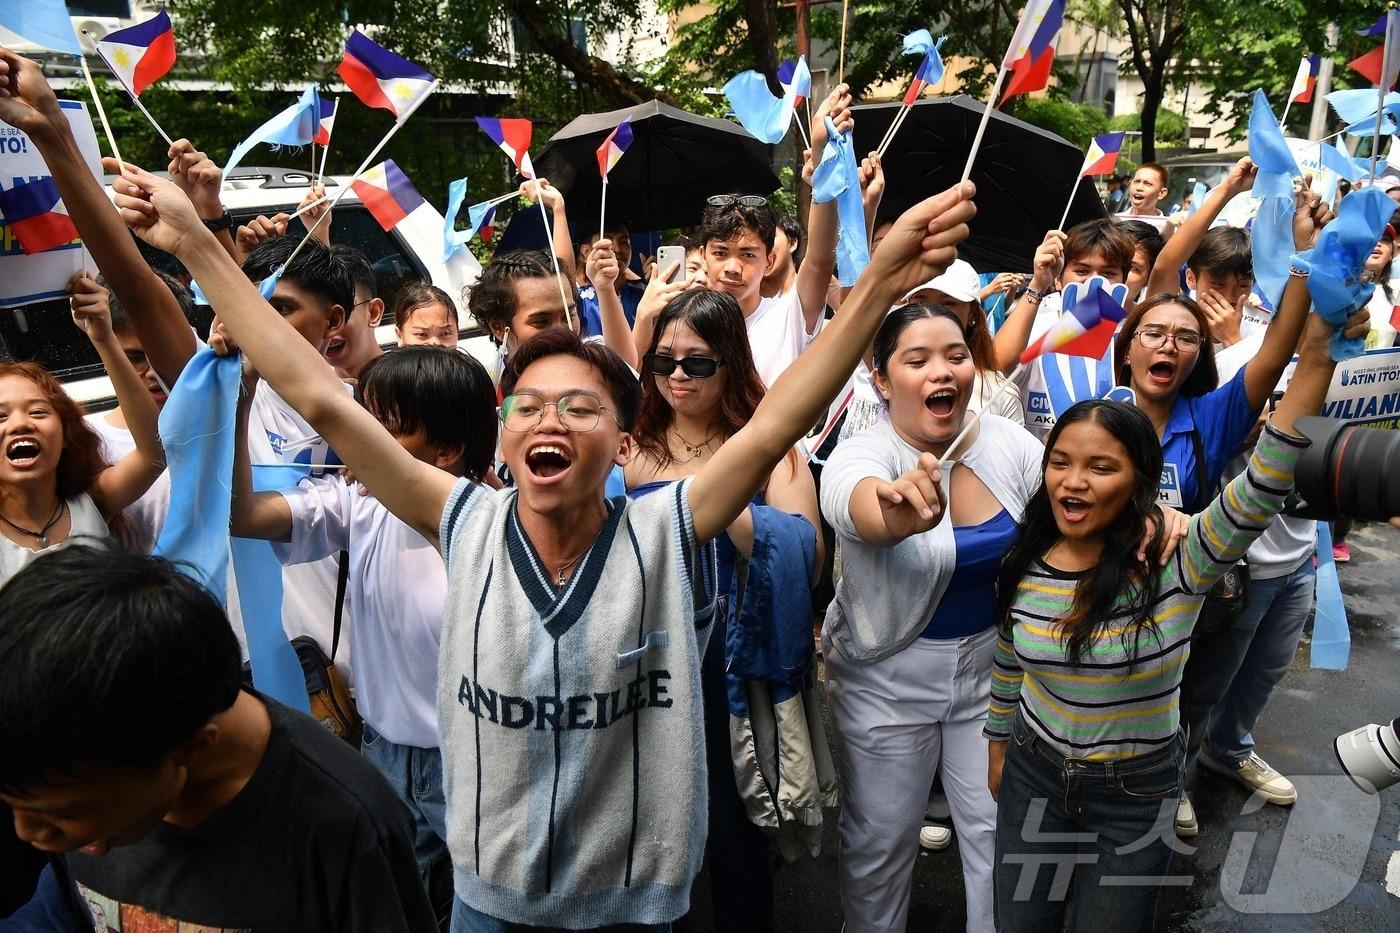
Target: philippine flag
{"type": "Point", "coordinates": [1305, 80]}
{"type": "Point", "coordinates": [379, 78]}
{"type": "Point", "coordinates": [323, 127]}
{"type": "Point", "coordinates": [140, 55]}
{"type": "Point", "coordinates": [930, 72]}
{"type": "Point", "coordinates": [513, 135]}
{"type": "Point", "coordinates": [613, 147]}
{"type": "Point", "coordinates": [1086, 328]}
{"type": "Point", "coordinates": [795, 75]}
{"type": "Point", "coordinates": [1103, 154]}
{"type": "Point", "coordinates": [1031, 53]}
{"type": "Point", "coordinates": [387, 193]}
{"type": "Point", "coordinates": [40, 222]}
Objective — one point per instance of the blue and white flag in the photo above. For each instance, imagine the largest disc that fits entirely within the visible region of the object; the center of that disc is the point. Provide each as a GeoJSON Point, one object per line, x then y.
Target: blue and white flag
{"type": "Point", "coordinates": [837, 178]}
{"type": "Point", "coordinates": [295, 126]}
{"type": "Point", "coordinates": [1335, 263]}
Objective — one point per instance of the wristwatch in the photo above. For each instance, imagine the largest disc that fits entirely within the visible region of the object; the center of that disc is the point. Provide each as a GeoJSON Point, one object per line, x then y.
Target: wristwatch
{"type": "Point", "coordinates": [225, 222]}
{"type": "Point", "coordinates": [1035, 296]}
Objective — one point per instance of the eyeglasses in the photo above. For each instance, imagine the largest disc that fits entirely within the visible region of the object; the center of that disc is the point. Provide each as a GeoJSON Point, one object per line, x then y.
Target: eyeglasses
{"type": "Point", "coordinates": [743, 200]}
{"type": "Point", "coordinates": [696, 367]}
{"type": "Point", "coordinates": [1186, 341]}
{"type": "Point", "coordinates": [578, 413]}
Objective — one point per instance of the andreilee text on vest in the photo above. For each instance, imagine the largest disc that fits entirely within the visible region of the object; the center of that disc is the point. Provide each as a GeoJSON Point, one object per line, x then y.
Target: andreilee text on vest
{"type": "Point", "coordinates": [582, 711]}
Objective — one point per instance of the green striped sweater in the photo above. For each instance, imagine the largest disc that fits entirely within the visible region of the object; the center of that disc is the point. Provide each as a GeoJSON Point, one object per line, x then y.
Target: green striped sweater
{"type": "Point", "coordinates": [1101, 706]}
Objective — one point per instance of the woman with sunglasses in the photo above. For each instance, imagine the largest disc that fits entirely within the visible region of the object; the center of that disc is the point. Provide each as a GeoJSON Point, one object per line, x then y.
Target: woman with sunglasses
{"type": "Point", "coordinates": [699, 387]}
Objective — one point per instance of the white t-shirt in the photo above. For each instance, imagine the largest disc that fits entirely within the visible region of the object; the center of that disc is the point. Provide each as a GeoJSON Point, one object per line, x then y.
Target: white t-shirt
{"type": "Point", "coordinates": [145, 516]}
{"type": "Point", "coordinates": [1157, 220]}
{"type": "Point", "coordinates": [1381, 308]}
{"type": "Point", "coordinates": [1052, 382]}
{"type": "Point", "coordinates": [778, 333]}
{"type": "Point", "coordinates": [397, 591]}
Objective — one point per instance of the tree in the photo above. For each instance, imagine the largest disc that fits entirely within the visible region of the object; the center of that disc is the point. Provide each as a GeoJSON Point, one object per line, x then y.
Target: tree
{"type": "Point", "coordinates": [1155, 31]}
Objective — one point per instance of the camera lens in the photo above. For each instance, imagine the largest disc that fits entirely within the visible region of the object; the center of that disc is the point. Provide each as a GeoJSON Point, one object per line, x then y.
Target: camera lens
{"type": "Point", "coordinates": [1370, 756]}
{"type": "Point", "coordinates": [1348, 470]}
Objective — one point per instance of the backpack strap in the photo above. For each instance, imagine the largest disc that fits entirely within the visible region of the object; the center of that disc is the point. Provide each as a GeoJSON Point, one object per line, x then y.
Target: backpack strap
{"type": "Point", "coordinates": [343, 578]}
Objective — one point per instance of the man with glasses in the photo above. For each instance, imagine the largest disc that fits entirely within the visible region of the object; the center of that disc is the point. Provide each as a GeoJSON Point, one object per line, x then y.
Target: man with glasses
{"type": "Point", "coordinates": [356, 344]}
{"type": "Point", "coordinates": [738, 233]}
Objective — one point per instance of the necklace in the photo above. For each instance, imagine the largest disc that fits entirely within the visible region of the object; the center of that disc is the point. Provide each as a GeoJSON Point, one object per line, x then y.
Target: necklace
{"type": "Point", "coordinates": [43, 533]}
{"type": "Point", "coordinates": [561, 575]}
{"type": "Point", "coordinates": [695, 450]}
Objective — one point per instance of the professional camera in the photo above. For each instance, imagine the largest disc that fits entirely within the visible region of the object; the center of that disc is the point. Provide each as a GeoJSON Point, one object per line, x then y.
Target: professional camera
{"type": "Point", "coordinates": [1370, 756]}
{"type": "Point", "coordinates": [1348, 471]}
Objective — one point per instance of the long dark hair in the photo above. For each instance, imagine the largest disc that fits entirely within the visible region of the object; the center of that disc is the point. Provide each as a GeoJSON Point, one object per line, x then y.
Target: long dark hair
{"type": "Point", "coordinates": [716, 319]}
{"type": "Point", "coordinates": [1203, 379]}
{"type": "Point", "coordinates": [1120, 589]}
{"type": "Point", "coordinates": [898, 321]}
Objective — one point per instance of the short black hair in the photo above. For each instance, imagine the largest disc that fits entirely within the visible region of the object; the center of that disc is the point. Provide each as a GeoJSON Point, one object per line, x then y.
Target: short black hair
{"type": "Point", "coordinates": [121, 322]}
{"type": "Point", "coordinates": [361, 272]}
{"type": "Point", "coordinates": [446, 394]}
{"type": "Point", "coordinates": [1223, 251]}
{"type": "Point", "coordinates": [734, 219]}
{"type": "Point", "coordinates": [790, 227]}
{"type": "Point", "coordinates": [315, 269]}
{"type": "Point", "coordinates": [110, 659]}
{"type": "Point", "coordinates": [556, 341]}
{"type": "Point", "coordinates": [1146, 236]}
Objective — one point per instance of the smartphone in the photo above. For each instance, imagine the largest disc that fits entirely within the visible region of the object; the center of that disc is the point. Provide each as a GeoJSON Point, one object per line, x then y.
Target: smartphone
{"type": "Point", "coordinates": [667, 256]}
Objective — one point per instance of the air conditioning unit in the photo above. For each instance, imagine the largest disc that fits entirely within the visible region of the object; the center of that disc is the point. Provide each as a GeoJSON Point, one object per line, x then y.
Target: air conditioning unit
{"type": "Point", "coordinates": [97, 28]}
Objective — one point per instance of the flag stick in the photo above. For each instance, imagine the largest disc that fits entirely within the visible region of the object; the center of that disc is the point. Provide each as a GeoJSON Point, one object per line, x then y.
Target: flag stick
{"type": "Point", "coordinates": [306, 207]}
{"type": "Point", "coordinates": [326, 149]}
{"type": "Point", "coordinates": [554, 253]}
{"type": "Point", "coordinates": [982, 127]}
{"type": "Point", "coordinates": [1283, 120]}
{"type": "Point", "coordinates": [313, 161]}
{"type": "Point", "coordinates": [102, 115]}
{"type": "Point", "coordinates": [947, 460]}
{"type": "Point", "coordinates": [801, 131]}
{"type": "Point", "coordinates": [603, 211]}
{"type": "Point", "coordinates": [134, 99]}
{"type": "Point", "coordinates": [361, 170]}
{"type": "Point", "coordinates": [1072, 192]}
{"type": "Point", "coordinates": [1381, 91]}
{"type": "Point", "coordinates": [895, 124]}
{"type": "Point", "coordinates": [841, 73]}
{"type": "Point", "coordinates": [504, 197]}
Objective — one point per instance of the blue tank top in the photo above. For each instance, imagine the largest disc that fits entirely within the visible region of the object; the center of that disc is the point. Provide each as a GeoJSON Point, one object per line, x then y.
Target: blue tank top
{"type": "Point", "coordinates": [968, 605]}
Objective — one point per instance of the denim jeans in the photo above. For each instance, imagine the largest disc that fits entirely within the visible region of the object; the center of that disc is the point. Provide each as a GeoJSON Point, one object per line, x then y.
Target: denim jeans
{"type": "Point", "coordinates": [416, 776]}
{"type": "Point", "coordinates": [466, 919]}
{"type": "Point", "coordinates": [1230, 676]}
{"type": "Point", "coordinates": [1083, 845]}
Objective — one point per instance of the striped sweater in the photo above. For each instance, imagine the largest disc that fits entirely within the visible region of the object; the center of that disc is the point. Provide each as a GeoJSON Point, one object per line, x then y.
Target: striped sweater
{"type": "Point", "coordinates": [1103, 706]}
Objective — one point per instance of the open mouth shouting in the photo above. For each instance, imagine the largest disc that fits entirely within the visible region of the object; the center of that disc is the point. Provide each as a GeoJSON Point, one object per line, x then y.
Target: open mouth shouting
{"type": "Point", "coordinates": [548, 462]}
{"type": "Point", "coordinates": [22, 452]}
{"type": "Point", "coordinates": [942, 403]}
{"type": "Point", "coordinates": [1162, 373]}
{"type": "Point", "coordinates": [1073, 509]}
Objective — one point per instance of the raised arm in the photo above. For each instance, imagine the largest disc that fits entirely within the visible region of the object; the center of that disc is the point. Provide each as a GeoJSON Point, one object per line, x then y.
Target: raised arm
{"type": "Point", "coordinates": [1015, 332]}
{"type": "Point", "coordinates": [559, 237]}
{"type": "Point", "coordinates": [658, 294]}
{"type": "Point", "coordinates": [127, 480]}
{"type": "Point", "coordinates": [201, 178]}
{"type": "Point", "coordinates": [814, 278]}
{"type": "Point", "coordinates": [414, 491]}
{"type": "Point", "coordinates": [921, 245]}
{"type": "Point", "coordinates": [1263, 370]}
{"type": "Point", "coordinates": [603, 270]}
{"type": "Point", "coordinates": [28, 103]}
{"type": "Point", "coordinates": [1165, 277]}
{"type": "Point", "coordinates": [263, 515]}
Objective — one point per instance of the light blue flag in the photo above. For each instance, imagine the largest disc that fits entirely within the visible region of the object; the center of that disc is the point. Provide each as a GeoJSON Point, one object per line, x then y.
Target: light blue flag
{"type": "Point", "coordinates": [1337, 259]}
{"type": "Point", "coordinates": [265, 288]}
{"type": "Point", "coordinates": [1271, 242]}
{"type": "Point", "coordinates": [765, 117]}
{"type": "Point", "coordinates": [1331, 640]}
{"type": "Point", "coordinates": [294, 126]}
{"type": "Point", "coordinates": [452, 240]}
{"type": "Point", "coordinates": [1356, 106]}
{"type": "Point", "coordinates": [1365, 129]}
{"type": "Point", "coordinates": [1336, 159]}
{"type": "Point", "coordinates": [918, 42]}
{"type": "Point", "coordinates": [1270, 152]}
{"type": "Point", "coordinates": [197, 426]}
{"type": "Point", "coordinates": [43, 22]}
{"type": "Point", "coordinates": [837, 178]}
{"type": "Point", "coordinates": [1198, 197]}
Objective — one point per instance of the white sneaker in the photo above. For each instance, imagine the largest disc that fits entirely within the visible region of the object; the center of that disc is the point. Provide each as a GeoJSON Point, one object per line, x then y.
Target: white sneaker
{"type": "Point", "coordinates": [1255, 774]}
{"type": "Point", "coordinates": [935, 838]}
{"type": "Point", "coordinates": [1186, 825]}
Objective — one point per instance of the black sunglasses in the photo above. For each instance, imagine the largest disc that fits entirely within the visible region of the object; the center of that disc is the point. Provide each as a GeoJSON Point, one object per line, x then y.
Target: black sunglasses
{"type": "Point", "coordinates": [696, 367]}
{"type": "Point", "coordinates": [743, 200]}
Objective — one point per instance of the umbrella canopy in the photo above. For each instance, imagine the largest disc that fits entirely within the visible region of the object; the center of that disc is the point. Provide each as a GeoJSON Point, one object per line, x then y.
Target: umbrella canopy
{"type": "Point", "coordinates": [1023, 175]}
{"type": "Point", "coordinates": [675, 162]}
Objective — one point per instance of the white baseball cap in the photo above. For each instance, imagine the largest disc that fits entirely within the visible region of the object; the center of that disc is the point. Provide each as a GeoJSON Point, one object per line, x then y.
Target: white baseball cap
{"type": "Point", "coordinates": [959, 282]}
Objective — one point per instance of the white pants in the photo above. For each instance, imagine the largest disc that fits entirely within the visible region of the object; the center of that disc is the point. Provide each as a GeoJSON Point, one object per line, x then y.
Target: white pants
{"type": "Point", "coordinates": [896, 722]}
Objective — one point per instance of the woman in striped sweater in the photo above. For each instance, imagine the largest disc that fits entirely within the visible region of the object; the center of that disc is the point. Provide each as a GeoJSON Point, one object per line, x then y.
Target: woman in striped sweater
{"type": "Point", "coordinates": [1086, 749]}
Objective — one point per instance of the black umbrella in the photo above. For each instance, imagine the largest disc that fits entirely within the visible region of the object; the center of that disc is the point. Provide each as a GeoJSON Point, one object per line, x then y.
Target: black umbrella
{"type": "Point", "coordinates": [1023, 174]}
{"type": "Point", "coordinates": [675, 162]}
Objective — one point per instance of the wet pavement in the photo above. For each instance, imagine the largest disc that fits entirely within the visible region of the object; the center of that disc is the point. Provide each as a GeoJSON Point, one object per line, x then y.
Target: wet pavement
{"type": "Point", "coordinates": [1322, 865]}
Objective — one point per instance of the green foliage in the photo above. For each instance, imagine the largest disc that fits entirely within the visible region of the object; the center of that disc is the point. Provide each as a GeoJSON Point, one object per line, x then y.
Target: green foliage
{"type": "Point", "coordinates": [1171, 125]}
{"type": "Point", "coordinates": [1078, 123]}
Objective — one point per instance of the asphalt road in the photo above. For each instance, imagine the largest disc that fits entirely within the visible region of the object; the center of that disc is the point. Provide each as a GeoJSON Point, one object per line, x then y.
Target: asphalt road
{"type": "Point", "coordinates": [1321, 866]}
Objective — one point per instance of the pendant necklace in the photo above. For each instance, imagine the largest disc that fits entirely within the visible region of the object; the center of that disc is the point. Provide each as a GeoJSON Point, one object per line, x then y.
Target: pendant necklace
{"type": "Point", "coordinates": [43, 533]}
{"type": "Point", "coordinates": [695, 450]}
{"type": "Point", "coordinates": [561, 575]}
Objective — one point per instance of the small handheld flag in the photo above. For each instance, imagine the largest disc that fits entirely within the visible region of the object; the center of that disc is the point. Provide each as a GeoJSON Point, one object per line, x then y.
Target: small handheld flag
{"type": "Point", "coordinates": [387, 194]}
{"type": "Point", "coordinates": [381, 79]}
{"type": "Point", "coordinates": [295, 126]}
{"type": "Point", "coordinates": [765, 117]}
{"type": "Point", "coordinates": [613, 147]}
{"type": "Point", "coordinates": [1103, 154]}
{"type": "Point", "coordinates": [930, 71]}
{"type": "Point", "coordinates": [1093, 311]}
{"type": "Point", "coordinates": [794, 74]}
{"type": "Point", "coordinates": [1270, 152]}
{"type": "Point", "coordinates": [35, 215]}
{"type": "Point", "coordinates": [1031, 53]}
{"type": "Point", "coordinates": [142, 54]}
{"type": "Point", "coordinates": [513, 135]}
{"type": "Point", "coordinates": [1304, 81]}
{"type": "Point", "coordinates": [837, 179]}
{"type": "Point", "coordinates": [326, 121]}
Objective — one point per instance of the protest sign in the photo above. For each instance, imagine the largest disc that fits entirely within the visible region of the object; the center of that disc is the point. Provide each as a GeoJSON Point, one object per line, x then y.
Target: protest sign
{"type": "Point", "coordinates": [26, 279]}
{"type": "Point", "coordinates": [1365, 390]}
